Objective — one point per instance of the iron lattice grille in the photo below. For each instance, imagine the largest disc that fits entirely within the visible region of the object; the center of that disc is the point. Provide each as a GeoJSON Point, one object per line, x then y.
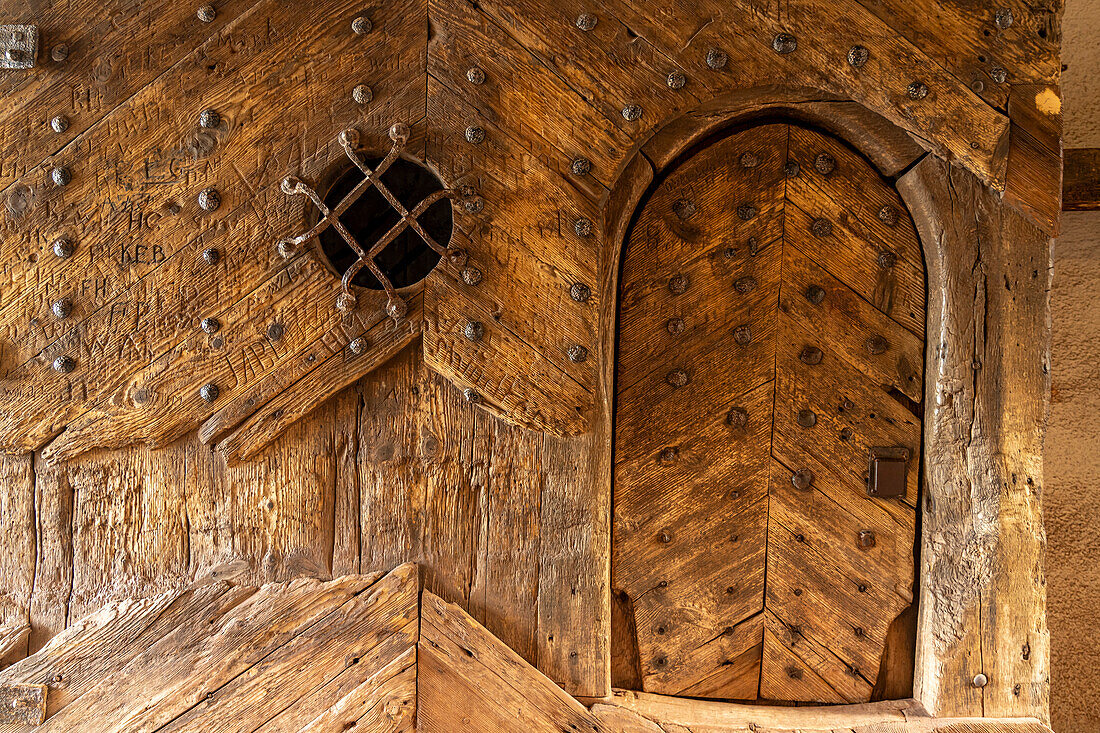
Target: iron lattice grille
{"type": "Point", "coordinates": [396, 308]}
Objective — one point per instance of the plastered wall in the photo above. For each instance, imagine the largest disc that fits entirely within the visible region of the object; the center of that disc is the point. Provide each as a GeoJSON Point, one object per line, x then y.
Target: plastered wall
{"type": "Point", "coordinates": [1072, 450]}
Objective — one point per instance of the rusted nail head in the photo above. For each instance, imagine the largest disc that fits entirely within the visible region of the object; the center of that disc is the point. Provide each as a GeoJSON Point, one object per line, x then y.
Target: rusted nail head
{"type": "Point", "coordinates": [784, 43]}
{"type": "Point", "coordinates": [577, 353]}
{"type": "Point", "coordinates": [209, 392]}
{"type": "Point", "coordinates": [803, 479]}
{"type": "Point", "coordinates": [677, 378]}
{"type": "Point", "coordinates": [580, 292]}
{"type": "Point", "coordinates": [684, 208]}
{"type": "Point", "coordinates": [824, 164]}
{"type": "Point", "coordinates": [857, 56]}
{"type": "Point", "coordinates": [811, 355]}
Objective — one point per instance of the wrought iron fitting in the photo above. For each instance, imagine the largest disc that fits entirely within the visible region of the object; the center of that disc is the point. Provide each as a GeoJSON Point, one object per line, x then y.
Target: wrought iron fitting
{"type": "Point", "coordinates": [737, 417]}
{"type": "Point", "coordinates": [209, 392]}
{"type": "Point", "coordinates": [61, 176]}
{"type": "Point", "coordinates": [59, 124]}
{"type": "Point", "coordinates": [209, 119]}
{"type": "Point", "coordinates": [396, 308]}
{"type": "Point", "coordinates": [580, 292]}
{"type": "Point", "coordinates": [62, 308]}
{"type": "Point", "coordinates": [209, 199]}
{"type": "Point", "coordinates": [206, 13]}
{"type": "Point", "coordinates": [64, 364]}
{"type": "Point", "coordinates": [583, 227]}
{"type": "Point", "coordinates": [784, 43]}
{"type": "Point", "coordinates": [471, 395]}
{"type": "Point", "coordinates": [357, 345]}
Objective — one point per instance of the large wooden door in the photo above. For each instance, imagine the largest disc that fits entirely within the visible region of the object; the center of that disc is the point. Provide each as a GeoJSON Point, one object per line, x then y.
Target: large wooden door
{"type": "Point", "coordinates": [771, 337]}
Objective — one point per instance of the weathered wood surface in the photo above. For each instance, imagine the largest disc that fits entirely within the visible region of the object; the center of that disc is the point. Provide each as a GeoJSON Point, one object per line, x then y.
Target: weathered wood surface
{"type": "Point", "coordinates": [982, 606]}
{"type": "Point", "coordinates": [717, 288]}
{"type": "Point", "coordinates": [303, 655]}
{"type": "Point", "coordinates": [135, 81]}
{"type": "Point", "coordinates": [1081, 180]}
{"type": "Point", "coordinates": [1034, 176]}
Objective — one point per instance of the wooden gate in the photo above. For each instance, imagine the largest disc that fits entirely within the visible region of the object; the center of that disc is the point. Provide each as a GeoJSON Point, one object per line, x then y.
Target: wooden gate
{"type": "Point", "coordinates": [771, 342]}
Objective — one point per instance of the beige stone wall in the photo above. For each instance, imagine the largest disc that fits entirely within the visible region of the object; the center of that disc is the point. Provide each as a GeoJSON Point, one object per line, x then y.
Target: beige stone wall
{"type": "Point", "coordinates": [1072, 496]}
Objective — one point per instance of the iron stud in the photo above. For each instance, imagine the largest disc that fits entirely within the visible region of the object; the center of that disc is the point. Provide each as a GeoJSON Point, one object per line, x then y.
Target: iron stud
{"type": "Point", "coordinates": [345, 302]}
{"type": "Point", "coordinates": [803, 479]}
{"type": "Point", "coordinates": [886, 259]}
{"type": "Point", "coordinates": [61, 176]}
{"type": "Point", "coordinates": [717, 59]}
{"type": "Point", "coordinates": [475, 135]}
{"type": "Point", "coordinates": [888, 215]}
{"type": "Point", "coordinates": [211, 256]}
{"type": "Point", "coordinates": [209, 392]}
{"type": "Point", "coordinates": [742, 335]}
{"type": "Point", "coordinates": [64, 364]}
{"type": "Point", "coordinates": [821, 228]}
{"type": "Point", "coordinates": [471, 276]}
{"type": "Point", "coordinates": [675, 326]}
{"type": "Point", "coordinates": [811, 355]}
{"type": "Point", "coordinates": [62, 308]}
{"type": "Point", "coordinates": [275, 331]}
{"type": "Point", "coordinates": [583, 227]}
{"type": "Point", "coordinates": [631, 112]}
{"type": "Point", "coordinates": [471, 395]}
{"type": "Point", "coordinates": [677, 378]}
{"type": "Point", "coordinates": [63, 247]}
{"type": "Point", "coordinates": [807, 418]}
{"type": "Point", "coordinates": [585, 21]}
{"type": "Point", "coordinates": [824, 164]}
{"type": "Point", "coordinates": [474, 205]}
{"type": "Point", "coordinates": [916, 90]}
{"type": "Point", "coordinates": [676, 80]}
{"type": "Point", "coordinates": [362, 94]}
{"type": "Point", "coordinates": [784, 43]}
{"type": "Point", "coordinates": [577, 353]}
{"type": "Point", "coordinates": [877, 344]}
{"type": "Point", "coordinates": [678, 284]}
{"type": "Point", "coordinates": [749, 160]}
{"type": "Point", "coordinates": [792, 169]}
{"type": "Point", "coordinates": [666, 534]}
{"type": "Point", "coordinates": [815, 294]}
{"type": "Point", "coordinates": [209, 119]}
{"type": "Point", "coordinates": [474, 331]}
{"type": "Point", "coordinates": [745, 284]}
{"type": "Point", "coordinates": [209, 199]}
{"type": "Point", "coordinates": [60, 52]}
{"type": "Point", "coordinates": [857, 56]}
{"type": "Point", "coordinates": [357, 345]}
{"type": "Point", "coordinates": [580, 166]}
{"type": "Point", "coordinates": [580, 292]}
{"type": "Point", "coordinates": [210, 325]}
{"type": "Point", "coordinates": [59, 124]}
{"type": "Point", "coordinates": [737, 417]}
{"type": "Point", "coordinates": [866, 539]}
{"type": "Point", "coordinates": [361, 26]}
{"type": "Point", "coordinates": [475, 75]}
{"type": "Point", "coordinates": [206, 13]}
{"type": "Point", "coordinates": [980, 680]}
{"type": "Point", "coordinates": [1003, 18]}
{"type": "Point", "coordinates": [746, 212]}
{"type": "Point", "coordinates": [684, 208]}
{"type": "Point", "coordinates": [998, 74]}
{"type": "Point", "coordinates": [396, 308]}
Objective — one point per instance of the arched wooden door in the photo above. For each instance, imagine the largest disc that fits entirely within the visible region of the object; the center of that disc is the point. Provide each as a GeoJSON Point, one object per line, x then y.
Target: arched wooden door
{"type": "Point", "coordinates": [771, 343]}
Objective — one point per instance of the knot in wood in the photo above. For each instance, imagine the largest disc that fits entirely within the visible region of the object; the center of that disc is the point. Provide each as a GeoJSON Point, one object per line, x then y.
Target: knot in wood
{"type": "Point", "coordinates": [580, 292]}
{"type": "Point", "coordinates": [586, 21]}
{"type": "Point", "coordinates": [631, 112]}
{"type": "Point", "coordinates": [824, 164]}
{"type": "Point", "coordinates": [581, 166]}
{"type": "Point", "coordinates": [677, 378]}
{"type": "Point", "coordinates": [877, 344]}
{"type": "Point", "coordinates": [717, 59]}
{"type": "Point", "coordinates": [810, 355]}
{"type": "Point", "coordinates": [684, 208]}
{"type": "Point", "coordinates": [784, 43]}
{"type": "Point", "coordinates": [742, 335]}
{"type": "Point", "coordinates": [678, 284]}
{"type": "Point", "coordinates": [745, 284]}
{"type": "Point", "coordinates": [475, 75]}
{"type": "Point", "coordinates": [746, 212]}
{"type": "Point", "coordinates": [857, 56]}
{"type": "Point", "coordinates": [577, 353]}
{"type": "Point", "coordinates": [815, 294]}
{"type": "Point", "coordinates": [803, 479]}
{"type": "Point", "coordinates": [821, 228]}
{"type": "Point", "coordinates": [676, 80]}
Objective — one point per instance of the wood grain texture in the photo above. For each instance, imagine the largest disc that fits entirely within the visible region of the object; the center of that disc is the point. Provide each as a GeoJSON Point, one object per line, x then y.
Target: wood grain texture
{"type": "Point", "coordinates": [982, 591]}
{"type": "Point", "coordinates": [302, 655]}
{"type": "Point", "coordinates": [1034, 178]}
{"type": "Point", "coordinates": [717, 307]}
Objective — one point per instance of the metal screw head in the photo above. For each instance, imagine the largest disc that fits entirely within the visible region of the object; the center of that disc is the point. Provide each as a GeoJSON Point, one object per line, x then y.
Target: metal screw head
{"type": "Point", "coordinates": [998, 74]}
{"type": "Point", "coordinates": [876, 344]}
{"type": "Point", "coordinates": [821, 227]}
{"type": "Point", "coordinates": [471, 395]}
{"type": "Point", "coordinates": [357, 345]}
{"type": "Point", "coordinates": [210, 325]}
{"type": "Point", "coordinates": [806, 418]}
{"type": "Point", "coordinates": [746, 212]}
{"type": "Point", "coordinates": [784, 43]}
{"type": "Point", "coordinates": [678, 284]}
{"type": "Point", "coordinates": [209, 119]}
{"type": "Point", "coordinates": [577, 353]}
{"type": "Point", "coordinates": [580, 292]}
{"type": "Point", "coordinates": [345, 302]}
{"type": "Point", "coordinates": [887, 259]}
{"type": "Point", "coordinates": [749, 160]}
{"type": "Point", "coordinates": [60, 52]}
{"type": "Point", "coordinates": [475, 75]}
{"type": "Point", "coordinates": [286, 248]}
{"type": "Point", "coordinates": [474, 331]}
{"type": "Point", "coordinates": [675, 326]}
{"type": "Point", "coordinates": [581, 166]}
{"type": "Point", "coordinates": [1003, 18]}
{"type": "Point", "coordinates": [583, 227]}
{"type": "Point", "coordinates": [916, 90]}
{"type": "Point", "coordinates": [857, 56]}
{"type": "Point", "coordinates": [206, 13]}
{"type": "Point", "coordinates": [866, 539]}
{"type": "Point", "coordinates": [684, 208]}
{"type": "Point", "coordinates": [585, 21]}
{"type": "Point", "coordinates": [792, 169]}
{"type": "Point", "coordinates": [61, 176]}
{"type": "Point", "coordinates": [980, 680]}
{"type": "Point", "coordinates": [361, 25]}
{"type": "Point", "coordinates": [209, 392]}
{"type": "Point", "coordinates": [62, 308]}
{"type": "Point", "coordinates": [209, 199]}
{"type": "Point", "coordinates": [475, 135]}
{"type": "Point", "coordinates": [399, 132]}
{"type": "Point", "coordinates": [737, 417]}
{"type": "Point", "coordinates": [396, 308]}
{"type": "Point", "coordinates": [677, 378]}
{"type": "Point", "coordinates": [275, 331]}
{"type": "Point", "coordinates": [64, 364]}
{"type": "Point", "coordinates": [471, 275]}
{"type": "Point", "coordinates": [889, 215]}
{"type": "Point", "coordinates": [717, 59]}
{"type": "Point", "coordinates": [362, 94]}
{"type": "Point", "coordinates": [745, 284]}
{"type": "Point", "coordinates": [742, 335]}
{"type": "Point", "coordinates": [63, 247]}
{"type": "Point", "coordinates": [676, 80]}
{"type": "Point", "coordinates": [824, 164]}
{"type": "Point", "coordinates": [211, 256]}
{"type": "Point", "coordinates": [810, 355]}
{"type": "Point", "coordinates": [815, 294]}
{"type": "Point", "coordinates": [631, 112]}
{"type": "Point", "coordinates": [803, 479]}
{"type": "Point", "coordinates": [474, 205]}
{"type": "Point", "coordinates": [59, 124]}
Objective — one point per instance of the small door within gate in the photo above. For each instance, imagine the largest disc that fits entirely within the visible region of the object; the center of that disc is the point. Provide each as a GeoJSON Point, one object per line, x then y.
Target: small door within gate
{"type": "Point", "coordinates": [767, 443]}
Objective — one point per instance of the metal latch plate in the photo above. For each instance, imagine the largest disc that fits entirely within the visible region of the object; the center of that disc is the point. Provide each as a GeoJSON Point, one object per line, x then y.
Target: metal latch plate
{"type": "Point", "coordinates": [22, 704]}
{"type": "Point", "coordinates": [887, 472]}
{"type": "Point", "coordinates": [18, 46]}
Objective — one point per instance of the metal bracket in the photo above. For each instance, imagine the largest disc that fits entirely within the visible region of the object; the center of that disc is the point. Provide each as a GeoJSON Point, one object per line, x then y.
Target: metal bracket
{"type": "Point", "coordinates": [22, 704]}
{"type": "Point", "coordinates": [886, 475]}
{"type": "Point", "coordinates": [18, 46]}
{"type": "Point", "coordinates": [396, 308]}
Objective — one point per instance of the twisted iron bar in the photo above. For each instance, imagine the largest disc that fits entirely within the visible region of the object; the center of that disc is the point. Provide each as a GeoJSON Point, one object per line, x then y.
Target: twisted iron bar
{"type": "Point", "coordinates": [396, 308]}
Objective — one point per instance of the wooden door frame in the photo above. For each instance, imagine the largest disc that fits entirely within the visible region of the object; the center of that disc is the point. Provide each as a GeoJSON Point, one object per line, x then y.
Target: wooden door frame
{"type": "Point", "coordinates": [982, 641]}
